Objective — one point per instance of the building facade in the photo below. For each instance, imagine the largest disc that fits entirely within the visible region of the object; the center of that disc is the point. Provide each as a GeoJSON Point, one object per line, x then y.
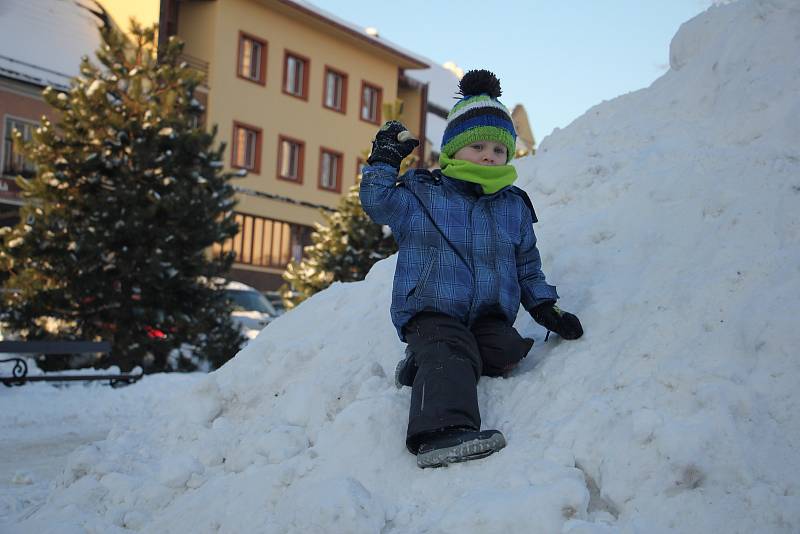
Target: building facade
{"type": "Point", "coordinates": [41, 43]}
{"type": "Point", "coordinates": [297, 95]}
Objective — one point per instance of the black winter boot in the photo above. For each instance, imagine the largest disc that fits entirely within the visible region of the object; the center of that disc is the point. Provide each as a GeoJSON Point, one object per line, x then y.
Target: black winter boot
{"type": "Point", "coordinates": [454, 445]}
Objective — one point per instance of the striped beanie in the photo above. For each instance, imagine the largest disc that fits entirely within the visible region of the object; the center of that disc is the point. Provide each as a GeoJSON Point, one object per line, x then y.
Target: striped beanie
{"type": "Point", "coordinates": [478, 115]}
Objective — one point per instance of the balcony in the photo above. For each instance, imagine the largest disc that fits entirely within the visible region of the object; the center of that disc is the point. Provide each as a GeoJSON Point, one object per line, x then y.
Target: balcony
{"type": "Point", "coordinates": [197, 64]}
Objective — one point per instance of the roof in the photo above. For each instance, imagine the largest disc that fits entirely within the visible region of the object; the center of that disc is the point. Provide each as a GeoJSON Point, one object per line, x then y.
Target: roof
{"type": "Point", "coordinates": [442, 84]}
{"type": "Point", "coordinates": [42, 41]}
{"type": "Point", "coordinates": [442, 95]}
{"type": "Point", "coordinates": [406, 58]}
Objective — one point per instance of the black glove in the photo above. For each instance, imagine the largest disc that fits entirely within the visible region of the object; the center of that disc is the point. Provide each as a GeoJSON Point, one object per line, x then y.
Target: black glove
{"type": "Point", "coordinates": [390, 147]}
{"type": "Point", "coordinates": [556, 320]}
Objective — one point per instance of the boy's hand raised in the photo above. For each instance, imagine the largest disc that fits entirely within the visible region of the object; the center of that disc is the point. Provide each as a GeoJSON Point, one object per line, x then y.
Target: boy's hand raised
{"type": "Point", "coordinates": [392, 143]}
{"type": "Point", "coordinates": [556, 320]}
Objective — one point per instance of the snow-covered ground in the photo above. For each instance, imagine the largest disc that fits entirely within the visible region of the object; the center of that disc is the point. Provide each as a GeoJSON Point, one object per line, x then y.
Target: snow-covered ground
{"type": "Point", "coordinates": [42, 424]}
{"type": "Point", "coordinates": [670, 220]}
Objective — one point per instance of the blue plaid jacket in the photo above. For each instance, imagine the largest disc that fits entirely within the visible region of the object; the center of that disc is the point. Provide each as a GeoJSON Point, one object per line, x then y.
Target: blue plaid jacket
{"type": "Point", "coordinates": [461, 252]}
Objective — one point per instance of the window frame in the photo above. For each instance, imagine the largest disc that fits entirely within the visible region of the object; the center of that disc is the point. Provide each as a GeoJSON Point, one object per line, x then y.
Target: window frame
{"type": "Point", "coordinates": [9, 152]}
{"type": "Point", "coordinates": [340, 158]}
{"type": "Point", "coordinates": [343, 98]}
{"type": "Point", "coordinates": [301, 159]}
{"type": "Point", "coordinates": [306, 73]}
{"type": "Point", "coordinates": [379, 90]}
{"type": "Point", "coordinates": [237, 125]}
{"type": "Point", "coordinates": [262, 79]}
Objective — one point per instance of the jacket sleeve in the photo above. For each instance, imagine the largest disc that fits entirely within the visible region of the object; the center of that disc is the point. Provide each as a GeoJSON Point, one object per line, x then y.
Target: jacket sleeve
{"type": "Point", "coordinates": [534, 287]}
{"type": "Point", "coordinates": [382, 198]}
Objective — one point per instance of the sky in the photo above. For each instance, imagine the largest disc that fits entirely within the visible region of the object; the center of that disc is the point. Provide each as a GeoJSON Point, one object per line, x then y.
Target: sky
{"type": "Point", "coordinates": [557, 58]}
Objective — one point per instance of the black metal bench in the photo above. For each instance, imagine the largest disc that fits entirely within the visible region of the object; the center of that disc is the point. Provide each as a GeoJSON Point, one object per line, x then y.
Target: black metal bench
{"type": "Point", "coordinates": [19, 373]}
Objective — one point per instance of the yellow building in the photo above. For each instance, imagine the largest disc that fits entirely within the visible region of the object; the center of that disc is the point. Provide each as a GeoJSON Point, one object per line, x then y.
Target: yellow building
{"type": "Point", "coordinates": [297, 95]}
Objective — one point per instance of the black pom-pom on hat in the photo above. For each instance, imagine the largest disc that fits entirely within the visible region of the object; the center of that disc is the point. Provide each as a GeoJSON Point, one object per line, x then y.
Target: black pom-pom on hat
{"type": "Point", "coordinates": [479, 82]}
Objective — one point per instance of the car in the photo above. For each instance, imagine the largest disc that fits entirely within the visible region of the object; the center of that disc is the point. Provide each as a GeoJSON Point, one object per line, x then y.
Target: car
{"type": "Point", "coordinates": [251, 311]}
{"type": "Point", "coordinates": [276, 299]}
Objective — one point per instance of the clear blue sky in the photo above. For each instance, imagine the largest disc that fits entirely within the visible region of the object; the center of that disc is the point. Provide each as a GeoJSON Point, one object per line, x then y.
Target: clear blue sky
{"type": "Point", "coordinates": [557, 57]}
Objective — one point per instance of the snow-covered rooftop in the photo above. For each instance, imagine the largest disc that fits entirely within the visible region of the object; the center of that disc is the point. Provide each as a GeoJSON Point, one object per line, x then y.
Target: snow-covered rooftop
{"type": "Point", "coordinates": [442, 88]}
{"type": "Point", "coordinates": [42, 41]}
{"type": "Point", "coordinates": [442, 84]}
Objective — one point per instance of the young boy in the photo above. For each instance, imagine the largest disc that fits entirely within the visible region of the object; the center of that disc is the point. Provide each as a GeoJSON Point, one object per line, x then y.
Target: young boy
{"type": "Point", "coordinates": [467, 258]}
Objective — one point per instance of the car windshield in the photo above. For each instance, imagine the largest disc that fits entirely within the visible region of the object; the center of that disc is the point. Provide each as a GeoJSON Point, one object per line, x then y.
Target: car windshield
{"type": "Point", "coordinates": [250, 301]}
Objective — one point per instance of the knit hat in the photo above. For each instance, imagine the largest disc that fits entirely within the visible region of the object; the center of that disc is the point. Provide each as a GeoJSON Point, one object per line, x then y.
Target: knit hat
{"type": "Point", "coordinates": [479, 115]}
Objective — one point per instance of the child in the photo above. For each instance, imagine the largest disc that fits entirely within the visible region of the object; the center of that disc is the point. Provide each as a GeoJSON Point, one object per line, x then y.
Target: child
{"type": "Point", "coordinates": [467, 258]}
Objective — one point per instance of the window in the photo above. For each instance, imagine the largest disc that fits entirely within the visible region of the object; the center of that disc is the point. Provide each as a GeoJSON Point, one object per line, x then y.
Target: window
{"type": "Point", "coordinates": [246, 147]}
{"type": "Point", "coordinates": [266, 242]}
{"type": "Point", "coordinates": [370, 103]}
{"type": "Point", "coordinates": [252, 64]}
{"type": "Point", "coordinates": [295, 75]}
{"type": "Point", "coordinates": [290, 159]}
{"type": "Point", "coordinates": [14, 162]}
{"type": "Point", "coordinates": [330, 170]}
{"type": "Point", "coordinates": [335, 96]}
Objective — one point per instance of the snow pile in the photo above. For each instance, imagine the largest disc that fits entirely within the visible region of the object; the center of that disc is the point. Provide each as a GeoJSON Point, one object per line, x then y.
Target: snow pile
{"type": "Point", "coordinates": [669, 219]}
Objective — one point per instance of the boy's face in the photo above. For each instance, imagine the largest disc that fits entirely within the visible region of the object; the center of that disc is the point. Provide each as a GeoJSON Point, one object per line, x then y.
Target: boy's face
{"type": "Point", "coordinates": [484, 153]}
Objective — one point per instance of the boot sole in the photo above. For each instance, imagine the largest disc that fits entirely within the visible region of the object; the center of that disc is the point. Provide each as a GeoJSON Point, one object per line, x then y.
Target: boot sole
{"type": "Point", "coordinates": [463, 452]}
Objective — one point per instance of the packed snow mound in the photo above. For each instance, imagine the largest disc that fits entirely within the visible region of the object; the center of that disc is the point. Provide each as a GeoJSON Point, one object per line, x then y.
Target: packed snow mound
{"type": "Point", "coordinates": [669, 220]}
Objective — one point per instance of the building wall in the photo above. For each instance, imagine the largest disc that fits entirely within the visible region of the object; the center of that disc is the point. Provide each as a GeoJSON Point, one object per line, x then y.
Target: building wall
{"type": "Point", "coordinates": [19, 101]}
{"type": "Point", "coordinates": [197, 21]}
{"type": "Point", "coordinates": [23, 101]}
{"type": "Point", "coordinates": [413, 112]}
{"type": "Point", "coordinates": [144, 11]}
{"type": "Point", "coordinates": [211, 31]}
{"type": "Point", "coordinates": [269, 108]}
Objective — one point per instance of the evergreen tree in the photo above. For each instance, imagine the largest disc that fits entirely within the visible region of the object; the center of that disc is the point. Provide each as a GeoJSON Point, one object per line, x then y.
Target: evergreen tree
{"type": "Point", "coordinates": [128, 197]}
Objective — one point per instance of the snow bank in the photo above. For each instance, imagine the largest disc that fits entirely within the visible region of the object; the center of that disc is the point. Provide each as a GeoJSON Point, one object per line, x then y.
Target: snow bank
{"type": "Point", "coordinates": [669, 219]}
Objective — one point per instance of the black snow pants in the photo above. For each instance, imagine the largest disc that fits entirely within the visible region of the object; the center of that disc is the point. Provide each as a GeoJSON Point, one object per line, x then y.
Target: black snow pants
{"type": "Point", "coordinates": [451, 358]}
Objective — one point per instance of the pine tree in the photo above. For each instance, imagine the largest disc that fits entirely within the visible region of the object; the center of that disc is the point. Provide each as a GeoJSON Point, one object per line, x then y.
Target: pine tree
{"type": "Point", "coordinates": [129, 195]}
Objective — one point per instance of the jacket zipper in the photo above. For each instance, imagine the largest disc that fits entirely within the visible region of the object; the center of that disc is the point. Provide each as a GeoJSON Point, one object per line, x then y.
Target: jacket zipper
{"type": "Point", "coordinates": [472, 270]}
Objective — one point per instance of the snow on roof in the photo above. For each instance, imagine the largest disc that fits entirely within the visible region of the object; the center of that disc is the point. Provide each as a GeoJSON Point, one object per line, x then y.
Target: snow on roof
{"type": "Point", "coordinates": [42, 41]}
{"type": "Point", "coordinates": [442, 88]}
{"type": "Point", "coordinates": [442, 84]}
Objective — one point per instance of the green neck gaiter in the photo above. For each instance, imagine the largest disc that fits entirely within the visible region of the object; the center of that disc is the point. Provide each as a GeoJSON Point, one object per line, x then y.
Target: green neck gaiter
{"type": "Point", "coordinates": [492, 178]}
